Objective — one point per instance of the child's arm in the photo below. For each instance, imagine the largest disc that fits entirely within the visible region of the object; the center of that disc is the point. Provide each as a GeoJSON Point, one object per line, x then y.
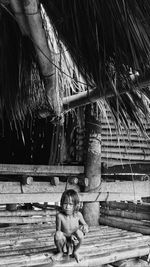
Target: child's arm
{"type": "Point", "coordinates": [83, 223]}
{"type": "Point", "coordinates": [58, 222]}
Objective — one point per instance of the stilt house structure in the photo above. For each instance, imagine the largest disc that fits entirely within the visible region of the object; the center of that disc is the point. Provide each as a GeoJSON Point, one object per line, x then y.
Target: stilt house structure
{"type": "Point", "coordinates": [74, 113]}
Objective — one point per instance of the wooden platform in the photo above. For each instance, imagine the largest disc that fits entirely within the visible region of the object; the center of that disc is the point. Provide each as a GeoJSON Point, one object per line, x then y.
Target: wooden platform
{"type": "Point", "coordinates": [33, 245]}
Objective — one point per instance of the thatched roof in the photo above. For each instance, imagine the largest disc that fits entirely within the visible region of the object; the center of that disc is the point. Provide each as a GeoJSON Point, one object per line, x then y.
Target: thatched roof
{"type": "Point", "coordinates": [108, 47]}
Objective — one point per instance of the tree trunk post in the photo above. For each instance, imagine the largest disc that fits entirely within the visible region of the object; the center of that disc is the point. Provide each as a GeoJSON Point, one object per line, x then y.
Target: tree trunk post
{"type": "Point", "coordinates": [91, 210]}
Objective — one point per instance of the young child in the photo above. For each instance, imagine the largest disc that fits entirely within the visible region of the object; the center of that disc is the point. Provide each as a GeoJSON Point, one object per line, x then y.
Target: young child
{"type": "Point", "coordinates": [70, 226]}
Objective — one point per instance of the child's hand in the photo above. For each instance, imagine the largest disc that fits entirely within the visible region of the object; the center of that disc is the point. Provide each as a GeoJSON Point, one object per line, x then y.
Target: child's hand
{"type": "Point", "coordinates": [74, 239]}
{"type": "Point", "coordinates": [84, 229]}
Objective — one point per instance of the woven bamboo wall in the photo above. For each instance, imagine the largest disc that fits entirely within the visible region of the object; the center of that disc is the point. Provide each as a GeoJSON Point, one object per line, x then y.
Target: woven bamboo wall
{"type": "Point", "coordinates": [123, 147]}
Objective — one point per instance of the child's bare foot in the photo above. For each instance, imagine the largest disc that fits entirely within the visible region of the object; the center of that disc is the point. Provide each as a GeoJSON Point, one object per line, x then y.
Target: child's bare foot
{"type": "Point", "coordinates": [57, 257]}
{"type": "Point", "coordinates": [77, 256]}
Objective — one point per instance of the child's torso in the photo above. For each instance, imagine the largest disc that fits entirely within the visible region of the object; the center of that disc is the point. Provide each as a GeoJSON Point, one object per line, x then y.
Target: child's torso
{"type": "Point", "coordinates": [69, 224]}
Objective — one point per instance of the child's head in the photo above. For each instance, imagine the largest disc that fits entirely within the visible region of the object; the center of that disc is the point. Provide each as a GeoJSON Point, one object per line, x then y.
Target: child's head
{"type": "Point", "coordinates": [70, 201]}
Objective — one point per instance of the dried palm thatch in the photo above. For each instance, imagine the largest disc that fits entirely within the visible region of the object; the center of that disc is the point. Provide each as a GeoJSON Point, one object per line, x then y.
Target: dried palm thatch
{"type": "Point", "coordinates": [109, 44]}
{"type": "Point", "coordinates": [22, 83]}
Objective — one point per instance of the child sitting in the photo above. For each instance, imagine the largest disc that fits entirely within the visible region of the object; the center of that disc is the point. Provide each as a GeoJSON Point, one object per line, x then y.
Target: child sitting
{"type": "Point", "coordinates": [70, 226]}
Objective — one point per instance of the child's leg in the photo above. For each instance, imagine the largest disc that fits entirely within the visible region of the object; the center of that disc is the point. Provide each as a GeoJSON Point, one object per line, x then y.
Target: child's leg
{"type": "Point", "coordinates": [69, 245]}
{"type": "Point", "coordinates": [79, 235]}
{"type": "Point", "coordinates": [60, 241]}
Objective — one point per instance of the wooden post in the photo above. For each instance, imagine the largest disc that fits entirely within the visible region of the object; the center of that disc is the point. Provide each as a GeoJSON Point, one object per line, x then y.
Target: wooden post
{"type": "Point", "coordinates": [91, 210]}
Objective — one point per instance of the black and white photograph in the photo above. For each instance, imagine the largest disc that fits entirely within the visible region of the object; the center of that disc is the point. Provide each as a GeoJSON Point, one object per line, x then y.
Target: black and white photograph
{"type": "Point", "coordinates": [74, 133]}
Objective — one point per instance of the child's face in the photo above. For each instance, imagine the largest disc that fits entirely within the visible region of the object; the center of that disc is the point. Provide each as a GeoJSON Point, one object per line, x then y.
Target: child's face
{"type": "Point", "coordinates": [68, 206]}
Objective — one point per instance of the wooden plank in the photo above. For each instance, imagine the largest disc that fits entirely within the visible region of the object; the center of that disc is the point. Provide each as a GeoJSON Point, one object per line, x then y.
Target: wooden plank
{"type": "Point", "coordinates": [40, 170]}
{"type": "Point", "coordinates": [139, 188]}
{"type": "Point", "coordinates": [55, 197]}
{"type": "Point", "coordinates": [35, 187]}
{"type": "Point", "coordinates": [110, 191]}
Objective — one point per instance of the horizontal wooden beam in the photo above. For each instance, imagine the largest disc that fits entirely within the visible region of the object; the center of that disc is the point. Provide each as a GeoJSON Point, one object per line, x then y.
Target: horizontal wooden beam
{"type": "Point", "coordinates": [40, 170]}
{"type": "Point", "coordinates": [109, 191]}
{"type": "Point", "coordinates": [55, 197]}
{"type": "Point", "coordinates": [125, 177]}
{"type": "Point", "coordinates": [144, 208]}
{"type": "Point", "coordinates": [82, 98]}
{"type": "Point", "coordinates": [142, 168]}
{"type": "Point", "coordinates": [35, 187]}
{"type": "Point", "coordinates": [92, 95]}
{"type": "Point", "coordinates": [122, 187]}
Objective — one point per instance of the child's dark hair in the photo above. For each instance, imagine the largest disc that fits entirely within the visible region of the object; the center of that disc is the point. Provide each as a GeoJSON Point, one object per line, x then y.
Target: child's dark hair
{"type": "Point", "coordinates": [70, 193]}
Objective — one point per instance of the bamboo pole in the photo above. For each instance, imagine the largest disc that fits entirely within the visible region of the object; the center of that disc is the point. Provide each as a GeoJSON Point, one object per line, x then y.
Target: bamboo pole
{"type": "Point", "coordinates": [16, 219]}
{"type": "Point", "coordinates": [126, 214]}
{"type": "Point", "coordinates": [20, 17]}
{"type": "Point", "coordinates": [127, 143]}
{"type": "Point", "coordinates": [105, 258]}
{"type": "Point", "coordinates": [108, 220]}
{"type": "Point", "coordinates": [126, 206]}
{"type": "Point", "coordinates": [18, 213]}
{"type": "Point", "coordinates": [130, 221]}
{"type": "Point", "coordinates": [12, 252]}
{"type": "Point", "coordinates": [93, 249]}
{"type": "Point", "coordinates": [136, 138]}
{"type": "Point", "coordinates": [29, 241]}
{"type": "Point", "coordinates": [31, 22]}
{"type": "Point", "coordinates": [126, 150]}
{"type": "Point", "coordinates": [27, 227]}
{"type": "Point", "coordinates": [127, 156]}
{"type": "Point", "coordinates": [92, 95]}
{"type": "Point", "coordinates": [132, 262]}
{"type": "Point", "coordinates": [45, 57]}
{"type": "Point", "coordinates": [96, 253]}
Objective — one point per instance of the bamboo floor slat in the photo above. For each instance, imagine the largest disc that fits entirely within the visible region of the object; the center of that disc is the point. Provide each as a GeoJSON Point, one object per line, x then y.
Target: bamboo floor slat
{"type": "Point", "coordinates": [22, 245]}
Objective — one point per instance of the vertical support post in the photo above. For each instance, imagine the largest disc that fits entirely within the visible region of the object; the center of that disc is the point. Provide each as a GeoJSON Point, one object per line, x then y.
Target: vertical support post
{"type": "Point", "coordinates": [91, 210]}
{"type": "Point", "coordinates": [31, 23]}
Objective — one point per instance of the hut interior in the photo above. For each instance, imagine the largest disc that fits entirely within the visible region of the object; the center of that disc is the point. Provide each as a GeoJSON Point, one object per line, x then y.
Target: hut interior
{"type": "Point", "coordinates": [75, 114]}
